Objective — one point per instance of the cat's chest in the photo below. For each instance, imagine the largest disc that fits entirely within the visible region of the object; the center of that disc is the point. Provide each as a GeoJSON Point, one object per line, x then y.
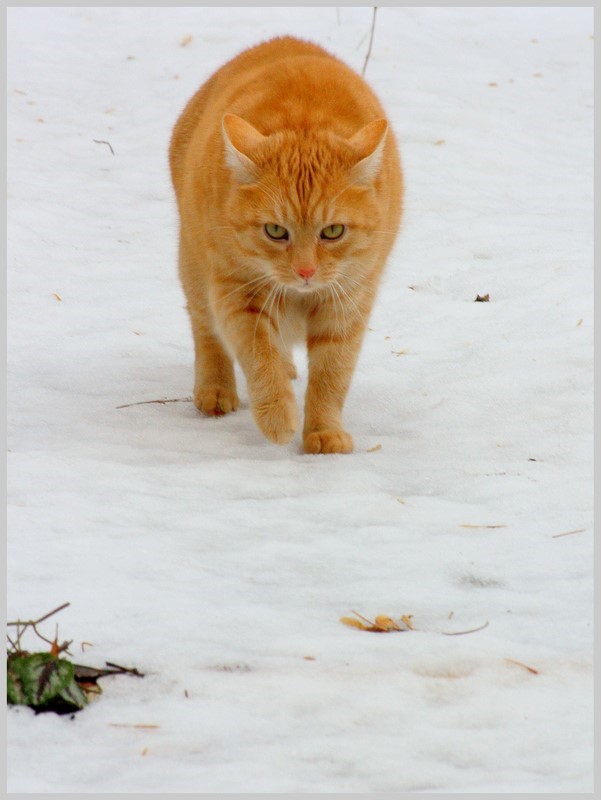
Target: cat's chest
{"type": "Point", "coordinates": [293, 319]}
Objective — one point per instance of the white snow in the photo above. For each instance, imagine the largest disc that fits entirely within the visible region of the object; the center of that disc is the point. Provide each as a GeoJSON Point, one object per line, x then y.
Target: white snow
{"type": "Point", "coordinates": [216, 562]}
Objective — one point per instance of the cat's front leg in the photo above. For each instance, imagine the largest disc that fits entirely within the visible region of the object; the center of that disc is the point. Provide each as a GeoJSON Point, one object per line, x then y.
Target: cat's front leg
{"type": "Point", "coordinates": [214, 383]}
{"type": "Point", "coordinates": [332, 358]}
{"type": "Point", "coordinates": [251, 332]}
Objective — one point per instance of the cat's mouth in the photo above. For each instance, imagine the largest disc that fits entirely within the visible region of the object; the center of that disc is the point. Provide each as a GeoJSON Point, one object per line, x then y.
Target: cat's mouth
{"type": "Point", "coordinates": [308, 287]}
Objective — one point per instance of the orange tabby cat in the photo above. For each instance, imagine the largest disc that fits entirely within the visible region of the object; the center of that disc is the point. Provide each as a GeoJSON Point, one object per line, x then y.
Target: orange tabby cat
{"type": "Point", "coordinates": [289, 192]}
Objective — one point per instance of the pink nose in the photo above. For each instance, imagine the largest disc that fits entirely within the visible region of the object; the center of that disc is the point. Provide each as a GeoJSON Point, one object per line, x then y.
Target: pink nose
{"type": "Point", "coordinates": [306, 272]}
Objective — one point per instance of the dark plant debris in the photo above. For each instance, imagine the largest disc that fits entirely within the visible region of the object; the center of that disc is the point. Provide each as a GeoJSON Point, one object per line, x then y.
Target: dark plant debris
{"type": "Point", "coordinates": [44, 681]}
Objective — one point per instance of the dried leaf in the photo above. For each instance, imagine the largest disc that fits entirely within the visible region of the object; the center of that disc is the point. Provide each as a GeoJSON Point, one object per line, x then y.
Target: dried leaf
{"type": "Point", "coordinates": [186, 40]}
{"type": "Point", "coordinates": [58, 297]}
{"type": "Point", "coordinates": [439, 141]}
{"type": "Point", "coordinates": [373, 449]}
{"type": "Point", "coordinates": [406, 618]}
{"type": "Point", "coordinates": [485, 298]}
{"type": "Point", "coordinates": [354, 623]}
{"type": "Point", "coordinates": [382, 623]}
{"type": "Point", "coordinates": [386, 623]}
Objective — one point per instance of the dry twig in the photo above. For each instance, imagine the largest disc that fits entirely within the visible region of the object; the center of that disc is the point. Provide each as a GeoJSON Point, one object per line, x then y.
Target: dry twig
{"type": "Point", "coordinates": [520, 664]}
{"type": "Point", "coordinates": [568, 533]}
{"type": "Point", "coordinates": [468, 525]}
{"type": "Point", "coordinates": [102, 141]}
{"type": "Point", "coordinates": [22, 625]}
{"type": "Point", "coordinates": [128, 725]}
{"type": "Point", "coordinates": [462, 633]}
{"type": "Point", "coordinates": [371, 39]}
{"type": "Point", "coordinates": [162, 402]}
{"type": "Point", "coordinates": [128, 670]}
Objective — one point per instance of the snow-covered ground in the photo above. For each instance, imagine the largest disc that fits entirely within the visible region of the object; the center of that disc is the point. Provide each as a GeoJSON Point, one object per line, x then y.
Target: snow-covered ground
{"type": "Point", "coordinates": [219, 564]}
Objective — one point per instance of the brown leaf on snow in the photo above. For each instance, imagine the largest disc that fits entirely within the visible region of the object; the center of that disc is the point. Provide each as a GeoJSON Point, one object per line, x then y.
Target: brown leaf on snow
{"type": "Point", "coordinates": [386, 623]}
{"type": "Point", "coordinates": [186, 40]}
{"type": "Point", "coordinates": [381, 624]}
{"type": "Point", "coordinates": [374, 448]}
{"type": "Point", "coordinates": [354, 623]}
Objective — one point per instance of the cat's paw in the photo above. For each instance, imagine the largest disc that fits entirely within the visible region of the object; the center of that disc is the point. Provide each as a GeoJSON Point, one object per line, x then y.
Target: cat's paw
{"type": "Point", "coordinates": [277, 418]}
{"type": "Point", "coordinates": [215, 401]}
{"type": "Point", "coordinates": [328, 441]}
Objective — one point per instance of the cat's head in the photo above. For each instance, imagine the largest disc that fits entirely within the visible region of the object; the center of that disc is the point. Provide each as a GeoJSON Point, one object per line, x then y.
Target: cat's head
{"type": "Point", "coordinates": [304, 210]}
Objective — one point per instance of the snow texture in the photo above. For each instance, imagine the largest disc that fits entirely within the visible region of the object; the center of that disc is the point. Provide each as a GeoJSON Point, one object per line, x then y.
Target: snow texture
{"type": "Point", "coordinates": [220, 564]}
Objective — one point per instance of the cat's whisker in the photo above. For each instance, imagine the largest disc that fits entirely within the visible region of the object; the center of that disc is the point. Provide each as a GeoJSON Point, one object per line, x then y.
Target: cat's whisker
{"type": "Point", "coordinates": [350, 279]}
{"type": "Point", "coordinates": [335, 302]}
{"type": "Point", "coordinates": [220, 300]}
{"type": "Point", "coordinates": [270, 311]}
{"type": "Point", "coordinates": [344, 306]}
{"type": "Point", "coordinates": [348, 297]}
{"type": "Point", "coordinates": [259, 315]}
{"type": "Point", "coordinates": [281, 296]}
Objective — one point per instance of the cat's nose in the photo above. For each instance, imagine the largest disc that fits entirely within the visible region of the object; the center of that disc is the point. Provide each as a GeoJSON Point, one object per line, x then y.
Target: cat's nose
{"type": "Point", "coordinates": [306, 272]}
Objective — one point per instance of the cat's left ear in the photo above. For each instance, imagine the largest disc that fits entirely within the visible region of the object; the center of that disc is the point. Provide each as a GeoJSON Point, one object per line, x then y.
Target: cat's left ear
{"type": "Point", "coordinates": [241, 139]}
{"type": "Point", "coordinates": [368, 143]}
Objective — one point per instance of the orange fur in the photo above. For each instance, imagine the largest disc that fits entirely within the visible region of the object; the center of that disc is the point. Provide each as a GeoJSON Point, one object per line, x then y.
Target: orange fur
{"type": "Point", "coordinates": [287, 135]}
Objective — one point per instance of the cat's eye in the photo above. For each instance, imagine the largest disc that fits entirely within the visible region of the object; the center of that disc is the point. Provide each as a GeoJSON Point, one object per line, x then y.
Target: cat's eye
{"type": "Point", "coordinates": [275, 231]}
{"type": "Point", "coordinates": [332, 232]}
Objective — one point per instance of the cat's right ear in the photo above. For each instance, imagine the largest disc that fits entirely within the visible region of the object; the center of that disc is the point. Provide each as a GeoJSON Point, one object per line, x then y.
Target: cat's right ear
{"type": "Point", "coordinates": [241, 139]}
{"type": "Point", "coordinates": [368, 144]}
